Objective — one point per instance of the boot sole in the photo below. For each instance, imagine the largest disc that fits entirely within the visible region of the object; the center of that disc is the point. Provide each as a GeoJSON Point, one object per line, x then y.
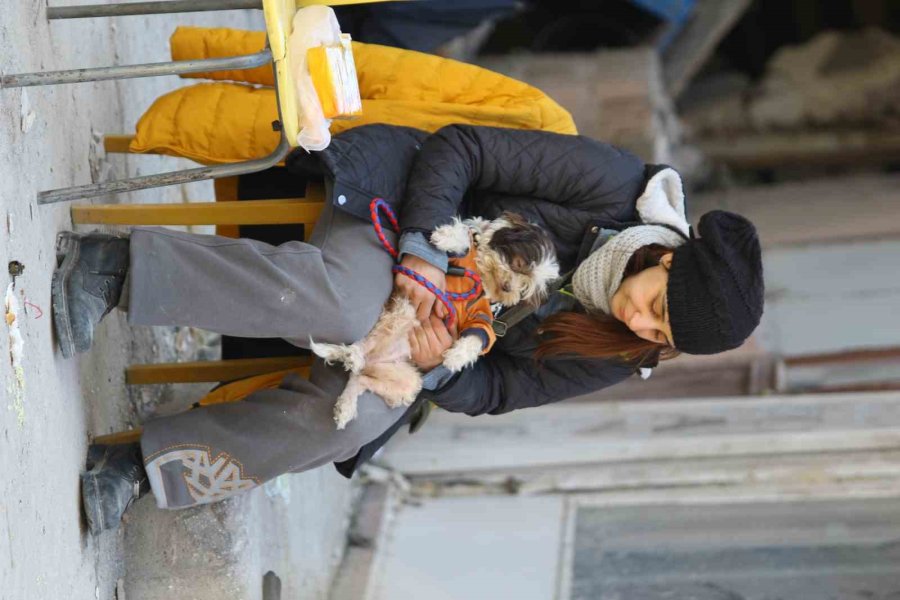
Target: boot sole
{"type": "Point", "coordinates": [90, 493]}
{"type": "Point", "coordinates": [90, 498]}
{"type": "Point", "coordinates": [66, 247]}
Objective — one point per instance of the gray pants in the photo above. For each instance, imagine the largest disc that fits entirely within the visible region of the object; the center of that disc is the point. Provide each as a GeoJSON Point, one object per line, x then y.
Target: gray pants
{"type": "Point", "coordinates": [331, 289]}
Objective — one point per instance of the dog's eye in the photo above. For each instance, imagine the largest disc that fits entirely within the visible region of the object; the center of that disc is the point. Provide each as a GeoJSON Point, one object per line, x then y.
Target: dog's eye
{"type": "Point", "coordinates": [506, 287]}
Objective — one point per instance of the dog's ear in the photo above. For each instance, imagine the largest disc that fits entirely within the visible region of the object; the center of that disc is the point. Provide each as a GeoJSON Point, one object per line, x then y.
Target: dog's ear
{"type": "Point", "coordinates": [452, 238]}
{"type": "Point", "coordinates": [514, 219]}
{"type": "Point", "coordinates": [543, 273]}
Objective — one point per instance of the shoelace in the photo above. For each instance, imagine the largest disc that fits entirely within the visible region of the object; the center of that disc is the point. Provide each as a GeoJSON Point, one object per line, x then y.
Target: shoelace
{"type": "Point", "coordinates": [104, 288]}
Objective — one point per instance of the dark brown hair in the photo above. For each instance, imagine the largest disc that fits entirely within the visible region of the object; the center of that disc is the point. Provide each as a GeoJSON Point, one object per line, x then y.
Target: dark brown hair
{"type": "Point", "coordinates": [522, 244]}
{"type": "Point", "coordinates": [600, 335]}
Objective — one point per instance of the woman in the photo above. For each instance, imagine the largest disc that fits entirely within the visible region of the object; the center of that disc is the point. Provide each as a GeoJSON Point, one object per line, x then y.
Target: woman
{"type": "Point", "coordinates": [640, 289]}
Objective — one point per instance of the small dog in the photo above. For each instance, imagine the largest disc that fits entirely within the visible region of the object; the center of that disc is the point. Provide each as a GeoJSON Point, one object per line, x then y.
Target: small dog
{"type": "Point", "coordinates": [516, 261]}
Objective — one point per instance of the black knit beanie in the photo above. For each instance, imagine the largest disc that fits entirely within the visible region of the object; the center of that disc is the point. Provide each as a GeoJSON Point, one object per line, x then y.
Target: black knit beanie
{"type": "Point", "coordinates": [715, 293]}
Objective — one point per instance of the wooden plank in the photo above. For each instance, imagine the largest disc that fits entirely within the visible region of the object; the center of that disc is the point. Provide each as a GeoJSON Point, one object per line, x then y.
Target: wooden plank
{"type": "Point", "coordinates": [551, 453]}
{"type": "Point", "coordinates": [852, 356]}
{"type": "Point", "coordinates": [716, 494]}
{"type": "Point", "coordinates": [315, 192]}
{"type": "Point", "coordinates": [831, 297]}
{"type": "Point", "coordinates": [866, 370]}
{"type": "Point", "coordinates": [210, 371]}
{"type": "Point", "coordinates": [783, 217]}
{"type": "Point", "coordinates": [250, 212]}
{"type": "Point", "coordinates": [226, 190]}
{"type": "Point", "coordinates": [712, 20]}
{"type": "Point", "coordinates": [119, 437]}
{"type": "Point", "coordinates": [802, 148]}
{"type": "Point", "coordinates": [791, 469]}
{"type": "Point", "coordinates": [581, 433]}
{"type": "Point", "coordinates": [117, 143]}
{"type": "Point", "coordinates": [650, 418]}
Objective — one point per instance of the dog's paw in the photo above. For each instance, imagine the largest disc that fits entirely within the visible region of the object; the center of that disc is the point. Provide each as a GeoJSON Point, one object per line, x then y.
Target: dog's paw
{"type": "Point", "coordinates": [464, 352]}
{"type": "Point", "coordinates": [354, 359]}
{"type": "Point", "coordinates": [344, 412]}
{"type": "Point", "coordinates": [453, 238]}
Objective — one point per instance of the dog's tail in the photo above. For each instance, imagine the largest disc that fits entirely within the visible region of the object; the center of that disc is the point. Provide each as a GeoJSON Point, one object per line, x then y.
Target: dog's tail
{"type": "Point", "coordinates": [350, 356]}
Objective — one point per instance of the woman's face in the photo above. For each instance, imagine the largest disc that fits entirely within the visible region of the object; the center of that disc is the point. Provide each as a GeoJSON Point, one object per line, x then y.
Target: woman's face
{"type": "Point", "coordinates": [641, 303]}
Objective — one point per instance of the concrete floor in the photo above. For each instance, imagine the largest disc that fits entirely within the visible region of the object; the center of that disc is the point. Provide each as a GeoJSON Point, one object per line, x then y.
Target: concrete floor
{"type": "Point", "coordinates": [51, 406]}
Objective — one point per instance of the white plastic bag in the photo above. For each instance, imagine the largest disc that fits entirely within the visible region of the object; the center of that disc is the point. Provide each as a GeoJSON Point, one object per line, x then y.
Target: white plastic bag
{"type": "Point", "coordinates": [313, 26]}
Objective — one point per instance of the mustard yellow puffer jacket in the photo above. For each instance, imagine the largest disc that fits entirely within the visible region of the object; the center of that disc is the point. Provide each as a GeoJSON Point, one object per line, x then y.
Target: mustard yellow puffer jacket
{"type": "Point", "coordinates": [226, 122]}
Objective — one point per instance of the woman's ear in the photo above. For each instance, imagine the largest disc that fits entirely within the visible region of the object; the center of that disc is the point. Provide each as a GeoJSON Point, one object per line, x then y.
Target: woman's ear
{"type": "Point", "coordinates": [666, 260]}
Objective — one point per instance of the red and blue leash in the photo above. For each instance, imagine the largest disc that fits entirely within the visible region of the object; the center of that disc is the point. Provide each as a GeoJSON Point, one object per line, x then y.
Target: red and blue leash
{"type": "Point", "coordinates": [446, 298]}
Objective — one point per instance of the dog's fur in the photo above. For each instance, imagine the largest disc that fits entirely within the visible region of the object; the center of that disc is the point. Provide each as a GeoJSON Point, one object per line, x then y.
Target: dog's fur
{"type": "Point", "coordinates": [517, 263]}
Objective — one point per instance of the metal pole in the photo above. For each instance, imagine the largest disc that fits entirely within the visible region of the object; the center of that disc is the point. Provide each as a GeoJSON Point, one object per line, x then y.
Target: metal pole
{"type": "Point", "coordinates": [248, 61]}
{"type": "Point", "coordinates": [163, 179]}
{"type": "Point", "coordinates": [147, 8]}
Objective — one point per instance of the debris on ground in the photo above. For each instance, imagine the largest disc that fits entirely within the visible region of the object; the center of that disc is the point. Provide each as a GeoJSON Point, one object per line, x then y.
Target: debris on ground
{"type": "Point", "coordinates": [16, 347]}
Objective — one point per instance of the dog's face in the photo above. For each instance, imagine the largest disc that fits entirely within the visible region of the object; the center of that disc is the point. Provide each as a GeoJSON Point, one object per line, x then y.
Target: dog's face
{"type": "Point", "coordinates": [516, 259]}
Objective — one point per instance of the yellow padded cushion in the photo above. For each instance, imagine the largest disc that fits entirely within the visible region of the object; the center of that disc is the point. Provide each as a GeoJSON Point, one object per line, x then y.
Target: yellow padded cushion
{"type": "Point", "coordinates": [228, 122]}
{"type": "Point", "coordinates": [210, 123]}
{"type": "Point", "coordinates": [197, 43]}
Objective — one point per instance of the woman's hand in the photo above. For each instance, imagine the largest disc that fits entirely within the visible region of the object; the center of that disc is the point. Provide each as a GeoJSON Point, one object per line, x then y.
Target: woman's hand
{"type": "Point", "coordinates": [422, 300]}
{"type": "Point", "coordinates": [428, 341]}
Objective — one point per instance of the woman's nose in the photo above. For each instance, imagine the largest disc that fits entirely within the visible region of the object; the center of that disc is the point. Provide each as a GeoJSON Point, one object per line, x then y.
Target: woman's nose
{"type": "Point", "coordinates": [637, 321]}
{"type": "Point", "coordinates": [640, 321]}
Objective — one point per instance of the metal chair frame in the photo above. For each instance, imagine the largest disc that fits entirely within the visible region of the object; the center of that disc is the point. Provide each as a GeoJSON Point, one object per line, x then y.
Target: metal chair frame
{"type": "Point", "coordinates": [153, 70]}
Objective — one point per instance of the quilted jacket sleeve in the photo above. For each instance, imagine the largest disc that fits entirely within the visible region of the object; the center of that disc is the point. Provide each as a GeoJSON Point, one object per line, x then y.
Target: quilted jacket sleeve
{"type": "Point", "coordinates": [499, 383]}
{"type": "Point", "coordinates": [575, 171]}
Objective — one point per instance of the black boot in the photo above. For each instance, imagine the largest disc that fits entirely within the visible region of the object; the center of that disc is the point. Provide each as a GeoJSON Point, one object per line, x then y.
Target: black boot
{"type": "Point", "coordinates": [115, 478]}
{"type": "Point", "coordinates": [87, 284]}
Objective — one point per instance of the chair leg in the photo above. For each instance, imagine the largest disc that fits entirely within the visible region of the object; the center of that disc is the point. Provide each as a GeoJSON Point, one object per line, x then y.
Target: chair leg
{"type": "Point", "coordinates": [226, 189]}
{"type": "Point", "coordinates": [168, 6]}
{"type": "Point", "coordinates": [147, 8]}
{"type": "Point", "coordinates": [163, 179]}
{"type": "Point", "coordinates": [179, 67]}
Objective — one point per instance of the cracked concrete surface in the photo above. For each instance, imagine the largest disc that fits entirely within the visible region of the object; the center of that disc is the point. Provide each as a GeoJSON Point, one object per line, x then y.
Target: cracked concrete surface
{"type": "Point", "coordinates": [48, 139]}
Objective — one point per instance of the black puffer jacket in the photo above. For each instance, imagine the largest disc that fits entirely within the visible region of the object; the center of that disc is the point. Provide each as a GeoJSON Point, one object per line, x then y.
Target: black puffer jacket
{"type": "Point", "coordinates": [571, 185]}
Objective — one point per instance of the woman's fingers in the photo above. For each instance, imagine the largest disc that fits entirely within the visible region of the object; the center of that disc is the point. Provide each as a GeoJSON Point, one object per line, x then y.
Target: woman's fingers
{"type": "Point", "coordinates": [422, 300]}
{"type": "Point", "coordinates": [419, 351]}
{"type": "Point", "coordinates": [414, 345]}
{"type": "Point", "coordinates": [432, 338]}
{"type": "Point", "coordinates": [425, 302]}
{"type": "Point", "coordinates": [428, 341]}
{"type": "Point", "coordinates": [439, 311]}
{"type": "Point", "coordinates": [443, 339]}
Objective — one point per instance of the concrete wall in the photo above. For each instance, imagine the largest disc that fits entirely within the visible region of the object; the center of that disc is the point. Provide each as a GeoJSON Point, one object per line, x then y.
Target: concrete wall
{"type": "Point", "coordinates": [825, 210]}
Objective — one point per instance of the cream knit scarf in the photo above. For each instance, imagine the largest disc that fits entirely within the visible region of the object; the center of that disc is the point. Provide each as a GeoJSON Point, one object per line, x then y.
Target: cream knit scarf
{"type": "Point", "coordinates": [598, 277]}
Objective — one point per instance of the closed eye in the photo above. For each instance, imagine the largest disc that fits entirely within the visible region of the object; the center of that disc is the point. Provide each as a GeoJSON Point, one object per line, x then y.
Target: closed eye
{"type": "Point", "coordinates": [663, 314]}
